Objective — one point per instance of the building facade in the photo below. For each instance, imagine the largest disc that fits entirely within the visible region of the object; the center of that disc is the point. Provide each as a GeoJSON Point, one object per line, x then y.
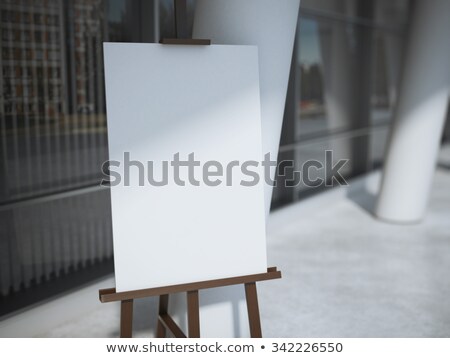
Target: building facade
{"type": "Point", "coordinates": [55, 222]}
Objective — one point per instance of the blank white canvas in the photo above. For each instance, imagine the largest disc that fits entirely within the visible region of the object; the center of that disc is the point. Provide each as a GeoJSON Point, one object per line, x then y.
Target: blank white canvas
{"type": "Point", "coordinates": [167, 99]}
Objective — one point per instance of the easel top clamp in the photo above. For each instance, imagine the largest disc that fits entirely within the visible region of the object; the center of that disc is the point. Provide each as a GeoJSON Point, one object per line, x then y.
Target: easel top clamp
{"type": "Point", "coordinates": [181, 31]}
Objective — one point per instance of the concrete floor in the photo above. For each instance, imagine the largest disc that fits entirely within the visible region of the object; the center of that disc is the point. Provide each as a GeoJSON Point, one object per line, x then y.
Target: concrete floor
{"type": "Point", "coordinates": [345, 274]}
{"type": "Point", "coordinates": [349, 275]}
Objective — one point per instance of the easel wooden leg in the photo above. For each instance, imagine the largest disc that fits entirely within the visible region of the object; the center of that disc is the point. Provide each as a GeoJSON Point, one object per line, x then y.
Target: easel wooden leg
{"type": "Point", "coordinates": [126, 319]}
{"type": "Point", "coordinates": [166, 324]}
{"type": "Point", "coordinates": [193, 314]}
{"type": "Point", "coordinates": [163, 307]}
{"type": "Point", "coordinates": [253, 310]}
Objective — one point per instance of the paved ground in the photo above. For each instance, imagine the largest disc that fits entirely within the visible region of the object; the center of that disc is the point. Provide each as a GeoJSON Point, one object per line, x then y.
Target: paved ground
{"type": "Point", "coordinates": [345, 273]}
{"type": "Point", "coordinates": [349, 275]}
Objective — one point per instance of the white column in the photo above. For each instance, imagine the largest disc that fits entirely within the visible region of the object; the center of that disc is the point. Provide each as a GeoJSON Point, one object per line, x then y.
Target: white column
{"type": "Point", "coordinates": [420, 115]}
{"type": "Point", "coordinates": [271, 25]}
{"type": "Point", "coordinates": [339, 82]}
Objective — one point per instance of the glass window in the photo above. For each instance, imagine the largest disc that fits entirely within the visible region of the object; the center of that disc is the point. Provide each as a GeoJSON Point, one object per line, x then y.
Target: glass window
{"type": "Point", "coordinates": [391, 13]}
{"type": "Point", "coordinates": [386, 75]}
{"type": "Point", "coordinates": [312, 161]}
{"type": "Point", "coordinates": [334, 63]}
{"type": "Point", "coordinates": [55, 225]}
{"type": "Point", "coordinates": [343, 84]}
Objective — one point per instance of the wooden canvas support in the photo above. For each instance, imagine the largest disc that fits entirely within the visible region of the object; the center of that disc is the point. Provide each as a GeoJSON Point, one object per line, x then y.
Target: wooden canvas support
{"type": "Point", "coordinates": [166, 324]}
{"type": "Point", "coordinates": [126, 318]}
{"type": "Point", "coordinates": [253, 309]}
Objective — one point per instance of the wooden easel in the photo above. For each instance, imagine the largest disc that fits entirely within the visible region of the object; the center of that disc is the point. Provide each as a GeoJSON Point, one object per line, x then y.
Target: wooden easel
{"type": "Point", "coordinates": [166, 323]}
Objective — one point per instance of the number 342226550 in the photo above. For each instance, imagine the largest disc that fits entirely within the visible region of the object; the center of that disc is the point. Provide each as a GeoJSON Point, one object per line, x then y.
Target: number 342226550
{"type": "Point", "coordinates": [307, 347]}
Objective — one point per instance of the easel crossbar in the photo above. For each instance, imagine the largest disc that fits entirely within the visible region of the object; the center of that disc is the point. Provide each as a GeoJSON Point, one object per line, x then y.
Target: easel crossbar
{"type": "Point", "coordinates": [110, 294]}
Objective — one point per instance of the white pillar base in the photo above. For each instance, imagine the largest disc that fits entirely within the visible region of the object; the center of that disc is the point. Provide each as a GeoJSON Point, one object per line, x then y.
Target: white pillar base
{"type": "Point", "coordinates": [420, 116]}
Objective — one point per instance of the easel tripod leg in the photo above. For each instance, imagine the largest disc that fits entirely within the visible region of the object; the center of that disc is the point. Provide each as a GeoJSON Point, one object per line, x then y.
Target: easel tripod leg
{"type": "Point", "coordinates": [193, 314]}
{"type": "Point", "coordinates": [126, 319]}
{"type": "Point", "coordinates": [163, 307]}
{"type": "Point", "coordinates": [253, 310]}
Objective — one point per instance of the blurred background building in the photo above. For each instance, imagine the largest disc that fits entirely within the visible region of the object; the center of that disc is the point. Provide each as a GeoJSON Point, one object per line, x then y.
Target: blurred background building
{"type": "Point", "coordinates": [55, 221]}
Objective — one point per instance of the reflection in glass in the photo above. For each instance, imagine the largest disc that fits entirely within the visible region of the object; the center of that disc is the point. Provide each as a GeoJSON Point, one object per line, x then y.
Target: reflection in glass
{"type": "Point", "coordinates": [387, 13]}
{"type": "Point", "coordinates": [343, 83]}
{"type": "Point", "coordinates": [55, 225]}
{"type": "Point", "coordinates": [386, 70]}
{"type": "Point", "coordinates": [301, 154]}
{"type": "Point", "coordinates": [333, 56]}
